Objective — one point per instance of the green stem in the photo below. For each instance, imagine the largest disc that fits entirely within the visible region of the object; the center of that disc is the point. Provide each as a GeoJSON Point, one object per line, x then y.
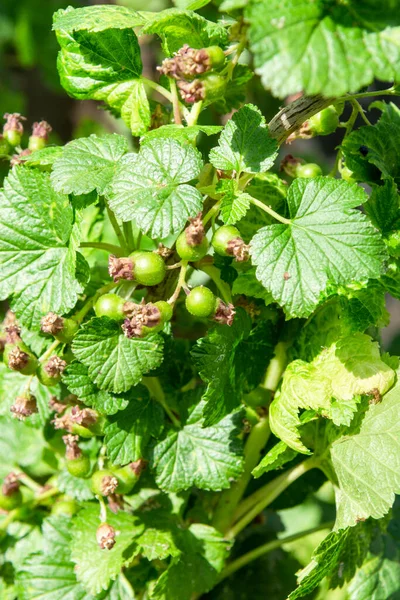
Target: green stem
{"type": "Point", "coordinates": [245, 559]}
{"type": "Point", "coordinates": [270, 211]}
{"type": "Point", "coordinates": [156, 86]}
{"type": "Point", "coordinates": [175, 103]}
{"type": "Point", "coordinates": [28, 481]}
{"type": "Point", "coordinates": [214, 210]}
{"type": "Point", "coordinates": [117, 230]}
{"type": "Point", "coordinates": [81, 314]}
{"type": "Point", "coordinates": [263, 497]}
{"type": "Point", "coordinates": [215, 275]}
{"type": "Point", "coordinates": [49, 351]}
{"type": "Point", "coordinates": [389, 92]}
{"type": "Point", "coordinates": [229, 499]}
{"type": "Point", "coordinates": [154, 386]}
{"type": "Point", "coordinates": [47, 494]}
{"type": "Point", "coordinates": [361, 112]}
{"type": "Point", "coordinates": [128, 233]}
{"type": "Point", "coordinates": [276, 367]}
{"type": "Point", "coordinates": [180, 283]}
{"type": "Point", "coordinates": [194, 114]}
{"type": "Point", "coordinates": [117, 250]}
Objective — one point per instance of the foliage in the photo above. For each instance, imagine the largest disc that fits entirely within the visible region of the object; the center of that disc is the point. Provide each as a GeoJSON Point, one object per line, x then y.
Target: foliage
{"type": "Point", "coordinates": [188, 427]}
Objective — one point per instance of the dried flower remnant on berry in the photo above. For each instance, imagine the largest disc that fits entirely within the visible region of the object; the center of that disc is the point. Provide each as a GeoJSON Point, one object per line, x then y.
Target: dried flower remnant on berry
{"type": "Point", "coordinates": [105, 536]}
{"type": "Point", "coordinates": [120, 268]}
{"type": "Point", "coordinates": [11, 484]}
{"type": "Point", "coordinates": [41, 129]}
{"type": "Point", "coordinates": [56, 406]}
{"type": "Point", "coordinates": [289, 164]}
{"type": "Point", "coordinates": [17, 158]}
{"type": "Point", "coordinates": [17, 359]}
{"type": "Point", "coordinates": [224, 313]}
{"type": "Point", "coordinates": [14, 122]}
{"type": "Point", "coordinates": [108, 485]}
{"type": "Point", "coordinates": [194, 233]}
{"type": "Point", "coordinates": [12, 334]}
{"type": "Point", "coordinates": [83, 416]}
{"type": "Point", "coordinates": [140, 316]}
{"type": "Point", "coordinates": [192, 91]}
{"type": "Point", "coordinates": [238, 249]}
{"type": "Point", "coordinates": [52, 323]}
{"type": "Point", "coordinates": [163, 251]}
{"type": "Point", "coordinates": [72, 451]}
{"type": "Point", "coordinates": [55, 366]}
{"type": "Point", "coordinates": [187, 63]}
{"type": "Point", "coordinates": [138, 466]}
{"type": "Point", "coordinates": [115, 503]}
{"type": "Point", "coordinates": [24, 406]}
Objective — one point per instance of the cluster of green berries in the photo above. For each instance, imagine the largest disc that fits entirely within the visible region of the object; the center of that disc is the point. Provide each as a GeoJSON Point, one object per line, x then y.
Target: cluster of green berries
{"type": "Point", "coordinates": [11, 138]}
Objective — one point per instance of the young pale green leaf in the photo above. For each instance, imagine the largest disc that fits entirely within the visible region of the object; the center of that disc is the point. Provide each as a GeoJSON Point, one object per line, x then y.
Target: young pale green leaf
{"type": "Point", "coordinates": [245, 144]}
{"type": "Point", "coordinates": [303, 45]}
{"type": "Point", "coordinates": [115, 363]}
{"type": "Point", "coordinates": [88, 164]}
{"type": "Point", "coordinates": [367, 464]}
{"type": "Point", "coordinates": [207, 457]}
{"type": "Point", "coordinates": [178, 132]}
{"type": "Point", "coordinates": [279, 455]}
{"type": "Point", "coordinates": [382, 147]}
{"type": "Point", "coordinates": [348, 368]}
{"type": "Point", "coordinates": [104, 65]}
{"type": "Point", "coordinates": [178, 27]}
{"type": "Point", "coordinates": [50, 574]}
{"type": "Point", "coordinates": [37, 260]}
{"type": "Point", "coordinates": [325, 240]}
{"type": "Point", "coordinates": [96, 568]}
{"type": "Point", "coordinates": [241, 354]}
{"type": "Point", "coordinates": [152, 187]}
{"type": "Point", "coordinates": [96, 18]}
{"type": "Point", "coordinates": [44, 157]}
{"type": "Point", "coordinates": [235, 204]}
{"type": "Point", "coordinates": [203, 557]}
{"type": "Point", "coordinates": [77, 380]}
{"type": "Point", "coordinates": [337, 557]}
{"type": "Point", "coordinates": [128, 433]}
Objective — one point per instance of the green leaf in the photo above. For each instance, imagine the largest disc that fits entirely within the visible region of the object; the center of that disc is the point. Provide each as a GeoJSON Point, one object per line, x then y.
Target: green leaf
{"type": "Point", "coordinates": [180, 133]}
{"type": "Point", "coordinates": [203, 557]}
{"type": "Point", "coordinates": [190, 4]}
{"type": "Point", "coordinates": [247, 284]}
{"type": "Point", "coordinates": [96, 568]}
{"type": "Point", "coordinates": [241, 354]}
{"type": "Point", "coordinates": [88, 164]}
{"type": "Point", "coordinates": [128, 433]}
{"type": "Point", "coordinates": [152, 187]}
{"type": "Point", "coordinates": [383, 207]}
{"type": "Point", "coordinates": [337, 557]}
{"type": "Point", "coordinates": [383, 143]}
{"type": "Point", "coordinates": [96, 18]}
{"type": "Point", "coordinates": [305, 45]}
{"type": "Point", "coordinates": [50, 574]}
{"type": "Point", "coordinates": [279, 455]}
{"type": "Point", "coordinates": [104, 64]}
{"type": "Point", "coordinates": [245, 144]}
{"type": "Point", "coordinates": [235, 93]}
{"type": "Point", "coordinates": [348, 368]}
{"type": "Point", "coordinates": [76, 487]}
{"type": "Point", "coordinates": [78, 382]}
{"type": "Point", "coordinates": [160, 536]}
{"type": "Point", "coordinates": [205, 457]}
{"type": "Point", "coordinates": [178, 27]}
{"type": "Point", "coordinates": [364, 308]}
{"type": "Point", "coordinates": [234, 204]}
{"type": "Point", "coordinates": [325, 240]}
{"type": "Point", "coordinates": [36, 260]}
{"type": "Point", "coordinates": [44, 157]}
{"type": "Point", "coordinates": [367, 464]}
{"type": "Point", "coordinates": [115, 363]}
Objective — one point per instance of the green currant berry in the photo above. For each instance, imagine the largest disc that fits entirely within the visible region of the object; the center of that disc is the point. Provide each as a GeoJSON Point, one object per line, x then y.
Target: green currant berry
{"type": "Point", "coordinates": [201, 302]}
{"type": "Point", "coordinates": [222, 237]}
{"type": "Point", "coordinates": [8, 502]}
{"type": "Point", "coordinates": [104, 482]}
{"type": "Point", "coordinates": [67, 334]}
{"type": "Point", "coordinates": [216, 56]}
{"type": "Point", "coordinates": [347, 174]}
{"type": "Point", "coordinates": [309, 171]}
{"type": "Point", "coordinates": [4, 147]}
{"type": "Point", "coordinates": [165, 309]}
{"type": "Point", "coordinates": [191, 253]}
{"type": "Point", "coordinates": [79, 467]}
{"type": "Point", "coordinates": [214, 86]}
{"type": "Point", "coordinates": [18, 357]}
{"type": "Point", "coordinates": [36, 143]}
{"type": "Point", "coordinates": [148, 267]}
{"type": "Point", "coordinates": [324, 122]}
{"type": "Point", "coordinates": [110, 305]}
{"type": "Point", "coordinates": [13, 137]}
{"type": "Point", "coordinates": [126, 479]}
{"type": "Point", "coordinates": [64, 507]}
{"type": "Point", "coordinates": [45, 378]}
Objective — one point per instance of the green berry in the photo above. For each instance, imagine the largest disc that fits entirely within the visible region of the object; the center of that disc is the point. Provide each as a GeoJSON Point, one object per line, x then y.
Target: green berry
{"type": "Point", "coordinates": [309, 171]}
{"type": "Point", "coordinates": [110, 305]}
{"type": "Point", "coordinates": [45, 378]}
{"type": "Point", "coordinates": [216, 56]}
{"type": "Point", "coordinates": [104, 482]}
{"type": "Point", "coordinates": [13, 137]}
{"type": "Point", "coordinates": [36, 143]}
{"type": "Point", "coordinates": [201, 302]}
{"type": "Point", "coordinates": [324, 122]}
{"type": "Point", "coordinates": [67, 334]}
{"type": "Point", "coordinates": [214, 86]}
{"type": "Point", "coordinates": [191, 253]}
{"type": "Point", "coordinates": [126, 479]}
{"type": "Point", "coordinates": [8, 502]}
{"type": "Point", "coordinates": [347, 174]}
{"type": "Point", "coordinates": [222, 237]}
{"type": "Point", "coordinates": [165, 309]}
{"type": "Point", "coordinates": [19, 358]}
{"type": "Point", "coordinates": [4, 147]}
{"type": "Point", "coordinates": [64, 507]}
{"type": "Point", "coordinates": [148, 267]}
{"type": "Point", "coordinates": [79, 467]}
